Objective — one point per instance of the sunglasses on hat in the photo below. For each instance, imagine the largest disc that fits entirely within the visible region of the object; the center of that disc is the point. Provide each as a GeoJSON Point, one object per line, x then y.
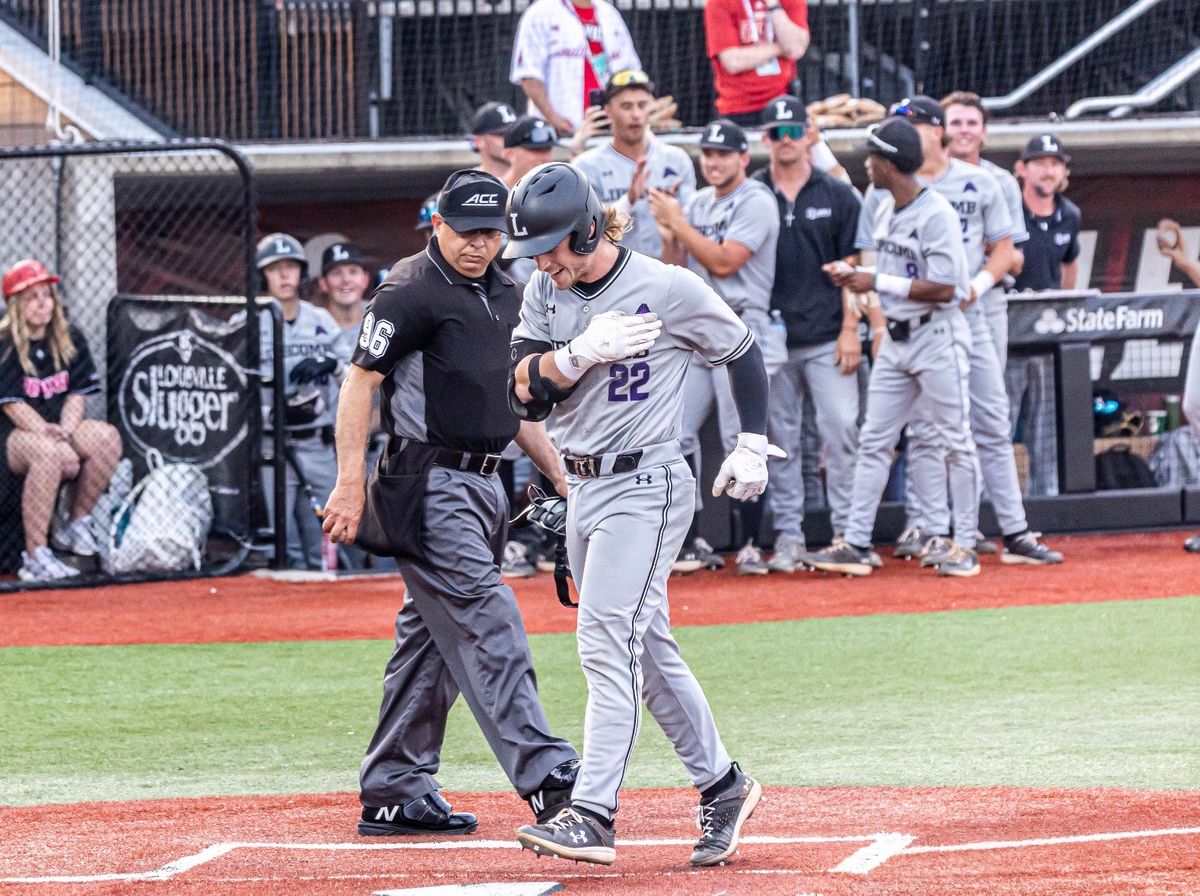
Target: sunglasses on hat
{"type": "Point", "coordinates": [629, 78]}
{"type": "Point", "coordinates": [795, 131]}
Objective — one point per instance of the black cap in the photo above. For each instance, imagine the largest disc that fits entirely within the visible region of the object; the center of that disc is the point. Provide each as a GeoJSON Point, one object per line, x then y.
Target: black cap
{"type": "Point", "coordinates": [1044, 145]}
{"type": "Point", "coordinates": [785, 109]}
{"type": "Point", "coordinates": [492, 118]}
{"type": "Point", "coordinates": [341, 253]}
{"type": "Point", "coordinates": [473, 200]}
{"type": "Point", "coordinates": [531, 133]}
{"type": "Point", "coordinates": [920, 110]}
{"type": "Point", "coordinates": [724, 134]}
{"type": "Point", "coordinates": [425, 215]}
{"type": "Point", "coordinates": [896, 140]}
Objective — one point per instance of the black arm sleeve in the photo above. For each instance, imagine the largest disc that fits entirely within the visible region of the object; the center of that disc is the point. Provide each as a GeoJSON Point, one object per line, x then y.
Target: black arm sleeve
{"type": "Point", "coordinates": [748, 378]}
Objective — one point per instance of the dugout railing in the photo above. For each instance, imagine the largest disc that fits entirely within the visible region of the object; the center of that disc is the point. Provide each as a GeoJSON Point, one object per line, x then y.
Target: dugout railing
{"type": "Point", "coordinates": [253, 70]}
{"type": "Point", "coordinates": [155, 247]}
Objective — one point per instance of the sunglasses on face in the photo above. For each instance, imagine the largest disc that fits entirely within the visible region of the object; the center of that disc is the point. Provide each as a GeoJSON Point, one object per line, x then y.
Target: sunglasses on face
{"type": "Point", "coordinates": [794, 131]}
{"type": "Point", "coordinates": [628, 78]}
{"type": "Point", "coordinates": [542, 134]}
{"type": "Point", "coordinates": [427, 211]}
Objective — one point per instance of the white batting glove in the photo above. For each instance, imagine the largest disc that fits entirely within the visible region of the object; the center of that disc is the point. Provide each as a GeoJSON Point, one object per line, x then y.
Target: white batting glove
{"type": "Point", "coordinates": [611, 336]}
{"type": "Point", "coordinates": [743, 475]}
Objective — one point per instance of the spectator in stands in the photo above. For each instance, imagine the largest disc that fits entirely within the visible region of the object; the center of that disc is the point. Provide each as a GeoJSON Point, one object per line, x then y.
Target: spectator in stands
{"type": "Point", "coordinates": [45, 371]}
{"type": "Point", "coordinates": [564, 50]}
{"type": "Point", "coordinates": [488, 125]}
{"type": "Point", "coordinates": [753, 46]}
{"type": "Point", "coordinates": [1051, 219]}
{"type": "Point", "coordinates": [624, 169]}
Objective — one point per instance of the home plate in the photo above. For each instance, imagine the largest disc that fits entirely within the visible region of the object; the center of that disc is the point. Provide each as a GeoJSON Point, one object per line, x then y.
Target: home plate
{"type": "Point", "coordinates": [524, 888]}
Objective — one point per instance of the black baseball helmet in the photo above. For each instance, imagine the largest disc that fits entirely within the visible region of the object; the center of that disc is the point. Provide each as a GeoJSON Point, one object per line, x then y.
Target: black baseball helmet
{"type": "Point", "coordinates": [277, 247]}
{"type": "Point", "coordinates": [549, 203]}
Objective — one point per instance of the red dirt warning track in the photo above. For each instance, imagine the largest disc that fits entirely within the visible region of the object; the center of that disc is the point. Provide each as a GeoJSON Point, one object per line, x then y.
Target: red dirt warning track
{"type": "Point", "coordinates": [800, 841]}
{"type": "Point", "coordinates": [250, 608]}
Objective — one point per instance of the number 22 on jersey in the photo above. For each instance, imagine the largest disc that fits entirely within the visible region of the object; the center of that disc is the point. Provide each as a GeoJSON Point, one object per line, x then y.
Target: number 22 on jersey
{"type": "Point", "coordinates": [627, 382]}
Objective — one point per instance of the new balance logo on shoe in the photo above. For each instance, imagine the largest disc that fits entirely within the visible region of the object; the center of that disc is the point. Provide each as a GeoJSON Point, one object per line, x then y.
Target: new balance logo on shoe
{"type": "Point", "coordinates": [387, 813]}
{"type": "Point", "coordinates": [537, 802]}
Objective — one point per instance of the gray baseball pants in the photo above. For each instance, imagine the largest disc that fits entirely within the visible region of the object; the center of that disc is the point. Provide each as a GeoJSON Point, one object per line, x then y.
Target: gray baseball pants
{"type": "Point", "coordinates": [459, 631]}
{"type": "Point", "coordinates": [1029, 380]}
{"type": "Point", "coordinates": [992, 429]}
{"type": "Point", "coordinates": [623, 534]}
{"type": "Point", "coordinates": [318, 463]}
{"type": "Point", "coordinates": [811, 372]}
{"type": "Point", "coordinates": [929, 371]}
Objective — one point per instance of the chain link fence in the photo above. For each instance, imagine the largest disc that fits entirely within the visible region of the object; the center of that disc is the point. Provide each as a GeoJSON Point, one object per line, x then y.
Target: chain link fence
{"type": "Point", "coordinates": [135, 453]}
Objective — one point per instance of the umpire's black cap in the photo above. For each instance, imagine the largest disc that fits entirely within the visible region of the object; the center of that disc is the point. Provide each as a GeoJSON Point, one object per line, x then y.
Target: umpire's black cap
{"type": "Point", "coordinates": [896, 140]}
{"type": "Point", "coordinates": [724, 134]}
{"type": "Point", "coordinates": [473, 200]}
{"type": "Point", "coordinates": [783, 110]}
{"type": "Point", "coordinates": [1044, 146]}
{"type": "Point", "coordinates": [492, 118]}
{"type": "Point", "coordinates": [920, 110]}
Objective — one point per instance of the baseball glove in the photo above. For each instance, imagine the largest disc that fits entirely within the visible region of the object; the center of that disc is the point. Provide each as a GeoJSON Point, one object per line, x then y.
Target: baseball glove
{"type": "Point", "coordinates": [547, 511]}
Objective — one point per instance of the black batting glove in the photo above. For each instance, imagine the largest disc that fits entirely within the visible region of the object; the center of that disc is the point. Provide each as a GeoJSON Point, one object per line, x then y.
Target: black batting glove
{"type": "Point", "coordinates": [311, 369]}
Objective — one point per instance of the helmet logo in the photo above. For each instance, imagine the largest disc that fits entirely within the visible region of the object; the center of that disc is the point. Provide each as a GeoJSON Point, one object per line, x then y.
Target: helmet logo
{"type": "Point", "coordinates": [517, 229]}
{"type": "Point", "coordinates": [281, 246]}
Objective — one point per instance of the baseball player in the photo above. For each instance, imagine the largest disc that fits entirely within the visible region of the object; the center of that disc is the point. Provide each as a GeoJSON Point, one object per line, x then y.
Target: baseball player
{"type": "Point", "coordinates": [921, 277]}
{"type": "Point", "coordinates": [311, 370]}
{"type": "Point", "coordinates": [984, 222]}
{"type": "Point", "coordinates": [601, 352]}
{"type": "Point", "coordinates": [425, 217]}
{"type": "Point", "coordinates": [488, 125]}
{"type": "Point", "coordinates": [727, 235]}
{"type": "Point", "coordinates": [626, 168]}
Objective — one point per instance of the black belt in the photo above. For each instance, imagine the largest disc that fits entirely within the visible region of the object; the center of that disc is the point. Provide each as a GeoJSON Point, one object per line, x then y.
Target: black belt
{"type": "Point", "coordinates": [588, 467]}
{"type": "Point", "coordinates": [465, 461]}
{"type": "Point", "coordinates": [900, 330]}
{"type": "Point", "coordinates": [307, 432]}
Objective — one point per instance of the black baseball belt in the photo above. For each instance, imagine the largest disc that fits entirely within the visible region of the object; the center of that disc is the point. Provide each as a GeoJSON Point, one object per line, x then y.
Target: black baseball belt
{"type": "Point", "coordinates": [592, 466]}
{"type": "Point", "coordinates": [451, 458]}
{"type": "Point", "coordinates": [900, 330]}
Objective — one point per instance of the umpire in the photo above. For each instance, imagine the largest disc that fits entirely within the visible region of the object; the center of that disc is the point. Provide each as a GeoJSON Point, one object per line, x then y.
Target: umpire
{"type": "Point", "coordinates": [436, 336]}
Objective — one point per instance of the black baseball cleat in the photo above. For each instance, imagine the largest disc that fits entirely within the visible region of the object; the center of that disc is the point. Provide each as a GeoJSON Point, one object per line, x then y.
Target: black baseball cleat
{"type": "Point", "coordinates": [555, 792]}
{"type": "Point", "coordinates": [570, 835]}
{"type": "Point", "coordinates": [429, 814]}
{"type": "Point", "coordinates": [1192, 545]}
{"type": "Point", "coordinates": [721, 819]}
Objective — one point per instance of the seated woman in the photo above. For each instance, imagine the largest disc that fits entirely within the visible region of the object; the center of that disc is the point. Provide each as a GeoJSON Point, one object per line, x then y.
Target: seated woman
{"type": "Point", "coordinates": [45, 370]}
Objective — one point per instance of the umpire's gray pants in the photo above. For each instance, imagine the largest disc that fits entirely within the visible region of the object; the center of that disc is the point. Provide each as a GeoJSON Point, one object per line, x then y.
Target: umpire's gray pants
{"type": "Point", "coordinates": [318, 464]}
{"type": "Point", "coordinates": [992, 429]}
{"type": "Point", "coordinates": [459, 631]}
{"type": "Point", "coordinates": [811, 372]}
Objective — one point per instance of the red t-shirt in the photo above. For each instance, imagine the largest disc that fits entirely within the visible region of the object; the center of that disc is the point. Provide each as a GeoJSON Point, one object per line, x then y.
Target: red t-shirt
{"type": "Point", "coordinates": [591, 29]}
{"type": "Point", "coordinates": [739, 23]}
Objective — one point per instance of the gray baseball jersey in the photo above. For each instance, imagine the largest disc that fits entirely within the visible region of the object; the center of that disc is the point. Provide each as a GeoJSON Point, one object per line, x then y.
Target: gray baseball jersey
{"type": "Point", "coordinates": [639, 401]}
{"type": "Point", "coordinates": [747, 215]}
{"type": "Point", "coordinates": [921, 241]}
{"type": "Point", "coordinates": [625, 529]}
{"type": "Point", "coordinates": [610, 173]}
{"type": "Point", "coordinates": [1012, 198]}
{"type": "Point", "coordinates": [313, 333]}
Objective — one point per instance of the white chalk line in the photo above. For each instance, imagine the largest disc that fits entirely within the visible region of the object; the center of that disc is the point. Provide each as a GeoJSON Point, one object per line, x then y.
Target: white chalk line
{"type": "Point", "coordinates": [880, 847]}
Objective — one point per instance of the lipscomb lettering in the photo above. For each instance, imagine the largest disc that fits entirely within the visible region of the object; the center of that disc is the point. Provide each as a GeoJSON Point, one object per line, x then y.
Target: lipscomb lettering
{"type": "Point", "coordinates": [891, 247]}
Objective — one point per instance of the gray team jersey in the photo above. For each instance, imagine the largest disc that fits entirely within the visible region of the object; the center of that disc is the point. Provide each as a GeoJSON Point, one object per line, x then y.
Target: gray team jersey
{"type": "Point", "coordinates": [610, 173]}
{"type": "Point", "coordinates": [748, 215]}
{"type": "Point", "coordinates": [313, 333]}
{"type": "Point", "coordinates": [639, 401]}
{"type": "Point", "coordinates": [1012, 198]}
{"type": "Point", "coordinates": [922, 241]}
{"type": "Point", "coordinates": [977, 200]}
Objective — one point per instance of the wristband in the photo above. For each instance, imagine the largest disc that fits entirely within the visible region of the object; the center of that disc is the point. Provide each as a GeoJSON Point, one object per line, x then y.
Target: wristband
{"type": "Point", "coordinates": [571, 365]}
{"type": "Point", "coordinates": [982, 282]}
{"type": "Point", "coordinates": [756, 442]}
{"type": "Point", "coordinates": [823, 158]}
{"type": "Point", "coordinates": [897, 286]}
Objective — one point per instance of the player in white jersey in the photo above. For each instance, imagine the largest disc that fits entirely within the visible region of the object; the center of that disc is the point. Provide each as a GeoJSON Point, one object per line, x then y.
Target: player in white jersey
{"type": "Point", "coordinates": [984, 220]}
{"type": "Point", "coordinates": [625, 169]}
{"type": "Point", "coordinates": [601, 353]}
{"type": "Point", "coordinates": [311, 370]}
{"type": "Point", "coordinates": [727, 235]}
{"type": "Point", "coordinates": [921, 278]}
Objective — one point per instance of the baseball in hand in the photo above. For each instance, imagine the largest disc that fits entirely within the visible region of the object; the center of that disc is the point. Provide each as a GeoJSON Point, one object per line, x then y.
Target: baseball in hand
{"type": "Point", "coordinates": [1168, 234]}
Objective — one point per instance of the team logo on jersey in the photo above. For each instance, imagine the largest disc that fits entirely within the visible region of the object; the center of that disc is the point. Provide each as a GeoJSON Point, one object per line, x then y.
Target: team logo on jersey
{"type": "Point", "coordinates": [969, 188]}
{"type": "Point", "coordinates": [643, 309]}
{"type": "Point", "coordinates": [913, 235]}
{"type": "Point", "coordinates": [1061, 239]}
{"type": "Point", "coordinates": [670, 172]}
{"type": "Point", "coordinates": [482, 200]}
{"type": "Point", "coordinates": [815, 214]}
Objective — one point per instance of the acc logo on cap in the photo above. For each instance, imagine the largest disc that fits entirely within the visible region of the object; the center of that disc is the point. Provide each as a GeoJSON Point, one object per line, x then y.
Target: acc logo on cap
{"type": "Point", "coordinates": [480, 200]}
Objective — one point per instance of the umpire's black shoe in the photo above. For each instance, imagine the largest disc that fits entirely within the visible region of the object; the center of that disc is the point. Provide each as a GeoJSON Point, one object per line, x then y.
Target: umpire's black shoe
{"type": "Point", "coordinates": [1192, 545]}
{"type": "Point", "coordinates": [429, 814]}
{"type": "Point", "coordinates": [554, 794]}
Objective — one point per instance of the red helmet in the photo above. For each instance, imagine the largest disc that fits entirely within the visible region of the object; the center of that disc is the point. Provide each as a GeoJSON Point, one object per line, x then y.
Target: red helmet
{"type": "Point", "coordinates": [26, 273]}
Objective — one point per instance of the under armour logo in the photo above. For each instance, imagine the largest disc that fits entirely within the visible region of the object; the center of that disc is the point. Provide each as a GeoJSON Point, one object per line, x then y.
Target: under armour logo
{"type": "Point", "coordinates": [643, 479]}
{"type": "Point", "coordinates": [551, 308]}
{"type": "Point", "coordinates": [517, 229]}
{"type": "Point", "coordinates": [782, 112]}
{"type": "Point", "coordinates": [578, 837]}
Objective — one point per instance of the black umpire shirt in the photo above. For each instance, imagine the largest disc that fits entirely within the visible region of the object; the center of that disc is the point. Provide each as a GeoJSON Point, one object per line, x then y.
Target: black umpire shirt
{"type": "Point", "coordinates": [817, 228]}
{"type": "Point", "coordinates": [1053, 241]}
{"type": "Point", "coordinates": [442, 342]}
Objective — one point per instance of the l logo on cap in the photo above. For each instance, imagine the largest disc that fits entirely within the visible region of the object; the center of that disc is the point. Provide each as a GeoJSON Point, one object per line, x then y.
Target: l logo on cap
{"type": "Point", "coordinates": [782, 112]}
{"type": "Point", "coordinates": [339, 252]}
{"type": "Point", "coordinates": [482, 200]}
{"type": "Point", "coordinates": [507, 115]}
{"type": "Point", "coordinates": [715, 135]}
{"type": "Point", "coordinates": [1048, 143]}
{"type": "Point", "coordinates": [517, 229]}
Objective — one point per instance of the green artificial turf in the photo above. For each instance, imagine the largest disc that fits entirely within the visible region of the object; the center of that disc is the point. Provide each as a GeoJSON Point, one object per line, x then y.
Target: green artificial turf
{"type": "Point", "coordinates": [1098, 694]}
